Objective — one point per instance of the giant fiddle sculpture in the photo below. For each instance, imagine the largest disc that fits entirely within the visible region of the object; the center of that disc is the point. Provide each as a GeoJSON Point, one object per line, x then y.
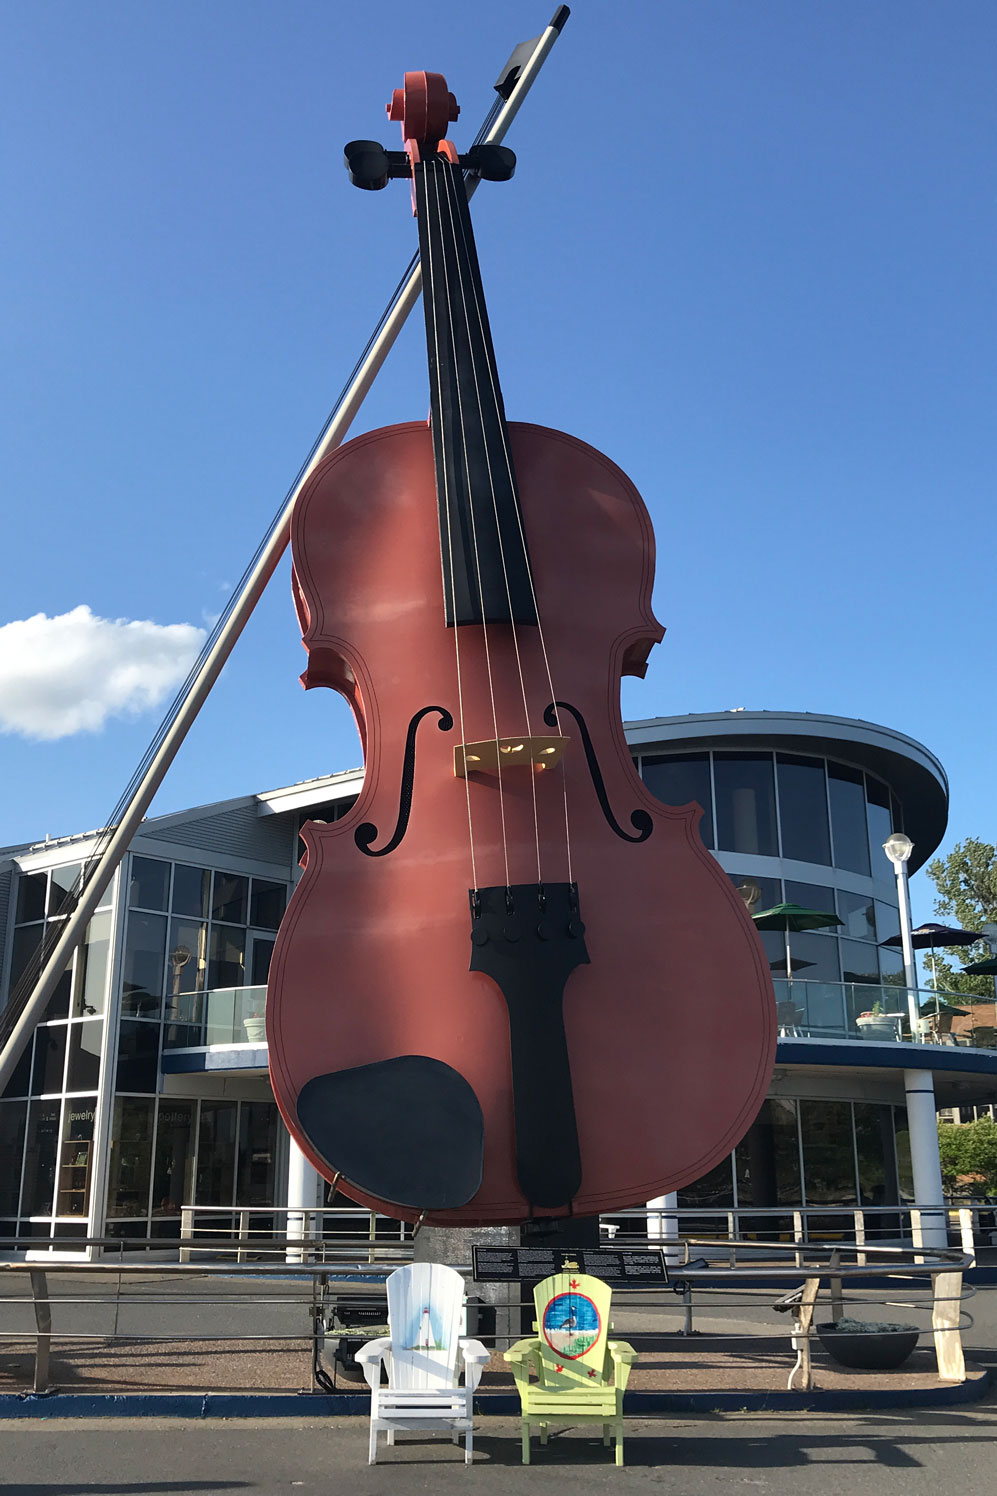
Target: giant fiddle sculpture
{"type": "Point", "coordinates": [510, 983]}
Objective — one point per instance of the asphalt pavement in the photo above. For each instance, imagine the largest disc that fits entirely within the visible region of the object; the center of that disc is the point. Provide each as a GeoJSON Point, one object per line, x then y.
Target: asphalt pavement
{"type": "Point", "coordinates": [916, 1454]}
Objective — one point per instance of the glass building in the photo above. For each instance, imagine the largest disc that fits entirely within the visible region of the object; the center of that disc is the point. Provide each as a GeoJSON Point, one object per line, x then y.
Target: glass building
{"type": "Point", "coordinates": [145, 1086]}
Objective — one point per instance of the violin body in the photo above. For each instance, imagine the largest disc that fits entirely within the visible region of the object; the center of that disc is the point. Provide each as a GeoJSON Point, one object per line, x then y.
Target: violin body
{"type": "Point", "coordinates": [668, 1015]}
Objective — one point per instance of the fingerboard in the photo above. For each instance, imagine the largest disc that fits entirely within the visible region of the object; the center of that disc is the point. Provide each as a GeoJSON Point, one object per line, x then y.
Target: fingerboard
{"type": "Point", "coordinates": [486, 568]}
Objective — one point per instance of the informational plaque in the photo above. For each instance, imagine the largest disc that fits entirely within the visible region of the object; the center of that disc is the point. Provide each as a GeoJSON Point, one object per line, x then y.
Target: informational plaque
{"type": "Point", "coordinates": [618, 1265]}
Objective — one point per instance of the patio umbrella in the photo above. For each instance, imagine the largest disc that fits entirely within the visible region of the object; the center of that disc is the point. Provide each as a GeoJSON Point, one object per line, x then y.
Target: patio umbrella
{"type": "Point", "coordinates": [928, 937]}
{"type": "Point", "coordinates": [790, 917]}
{"type": "Point", "coordinates": [987, 968]}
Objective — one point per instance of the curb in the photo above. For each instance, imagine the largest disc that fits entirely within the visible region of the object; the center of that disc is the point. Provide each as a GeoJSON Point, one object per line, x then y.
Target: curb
{"type": "Point", "coordinates": [500, 1404]}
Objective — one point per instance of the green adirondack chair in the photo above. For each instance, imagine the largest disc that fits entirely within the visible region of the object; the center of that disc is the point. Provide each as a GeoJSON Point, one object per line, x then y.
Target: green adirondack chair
{"type": "Point", "coordinates": [579, 1372]}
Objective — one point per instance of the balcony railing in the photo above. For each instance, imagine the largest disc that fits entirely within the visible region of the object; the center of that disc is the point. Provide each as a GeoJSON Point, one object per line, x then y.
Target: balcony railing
{"type": "Point", "coordinates": [889, 1014]}
{"type": "Point", "coordinates": [225, 1015]}
{"type": "Point", "coordinates": [808, 1010]}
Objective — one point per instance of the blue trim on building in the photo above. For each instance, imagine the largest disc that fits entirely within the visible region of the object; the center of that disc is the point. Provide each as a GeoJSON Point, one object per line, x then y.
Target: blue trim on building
{"type": "Point", "coordinates": [867, 1053]}
{"type": "Point", "coordinates": [197, 1061]}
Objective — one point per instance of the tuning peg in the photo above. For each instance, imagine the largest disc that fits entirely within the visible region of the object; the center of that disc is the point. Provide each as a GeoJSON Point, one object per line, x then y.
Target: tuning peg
{"type": "Point", "coordinates": [368, 164]}
{"type": "Point", "coordinates": [493, 163]}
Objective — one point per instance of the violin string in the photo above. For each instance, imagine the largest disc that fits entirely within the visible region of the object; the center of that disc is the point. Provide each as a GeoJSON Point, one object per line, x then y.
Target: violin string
{"type": "Point", "coordinates": [431, 289]}
{"type": "Point", "coordinates": [477, 558]}
{"type": "Point", "coordinates": [457, 224]}
{"type": "Point", "coordinates": [533, 593]}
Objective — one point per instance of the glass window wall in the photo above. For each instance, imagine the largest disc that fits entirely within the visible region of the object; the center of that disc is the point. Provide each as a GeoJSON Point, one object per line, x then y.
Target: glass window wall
{"type": "Point", "coordinates": [803, 808]}
{"type": "Point", "coordinates": [849, 825]}
{"type": "Point", "coordinates": [677, 779]}
{"type": "Point", "coordinates": [745, 803]}
{"type": "Point", "coordinates": [131, 1156]}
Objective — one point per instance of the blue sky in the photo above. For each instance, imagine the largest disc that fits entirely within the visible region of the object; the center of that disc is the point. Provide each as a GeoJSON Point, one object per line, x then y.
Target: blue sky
{"type": "Point", "coordinates": [748, 252]}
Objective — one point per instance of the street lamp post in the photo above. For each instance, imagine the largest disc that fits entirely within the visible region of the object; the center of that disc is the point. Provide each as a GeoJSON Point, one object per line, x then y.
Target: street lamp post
{"type": "Point", "coordinates": [898, 849]}
{"type": "Point", "coordinates": [919, 1085]}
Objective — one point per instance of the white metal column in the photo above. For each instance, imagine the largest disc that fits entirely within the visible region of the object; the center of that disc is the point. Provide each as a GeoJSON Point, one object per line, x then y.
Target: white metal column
{"type": "Point", "coordinates": [922, 1124]}
{"type": "Point", "coordinates": [665, 1227]}
{"type": "Point", "coordinates": [302, 1197]}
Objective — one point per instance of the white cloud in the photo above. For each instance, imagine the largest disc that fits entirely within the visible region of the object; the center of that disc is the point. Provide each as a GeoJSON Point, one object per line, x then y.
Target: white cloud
{"type": "Point", "coordinates": [68, 674]}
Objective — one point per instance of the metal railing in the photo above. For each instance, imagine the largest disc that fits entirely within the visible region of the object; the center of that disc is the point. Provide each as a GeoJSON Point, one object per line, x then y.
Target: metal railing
{"type": "Point", "coordinates": [90, 1310]}
{"type": "Point", "coordinates": [804, 1009]}
{"type": "Point", "coordinates": [890, 1014]}
{"type": "Point", "coordinates": [319, 1235]}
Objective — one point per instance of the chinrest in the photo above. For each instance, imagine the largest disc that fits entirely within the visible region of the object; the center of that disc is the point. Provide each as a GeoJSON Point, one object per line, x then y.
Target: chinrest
{"type": "Point", "coordinates": [408, 1130]}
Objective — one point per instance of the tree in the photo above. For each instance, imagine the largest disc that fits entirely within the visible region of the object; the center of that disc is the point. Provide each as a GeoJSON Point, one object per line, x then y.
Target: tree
{"type": "Point", "coordinates": [968, 1154]}
{"type": "Point", "coordinates": [966, 881]}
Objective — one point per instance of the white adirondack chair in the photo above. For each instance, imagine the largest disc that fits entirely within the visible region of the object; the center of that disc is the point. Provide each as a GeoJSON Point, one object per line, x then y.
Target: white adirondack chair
{"type": "Point", "coordinates": [424, 1356]}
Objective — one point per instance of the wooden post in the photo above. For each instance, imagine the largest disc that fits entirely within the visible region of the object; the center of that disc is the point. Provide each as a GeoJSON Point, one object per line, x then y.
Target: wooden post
{"type": "Point", "coordinates": [945, 1321]}
{"type": "Point", "coordinates": [801, 1335]}
{"type": "Point", "coordinates": [834, 1283]}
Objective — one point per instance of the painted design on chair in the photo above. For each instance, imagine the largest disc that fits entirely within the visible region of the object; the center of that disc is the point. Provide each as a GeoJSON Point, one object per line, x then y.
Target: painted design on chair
{"type": "Point", "coordinates": [570, 1325]}
{"type": "Point", "coordinates": [424, 1335]}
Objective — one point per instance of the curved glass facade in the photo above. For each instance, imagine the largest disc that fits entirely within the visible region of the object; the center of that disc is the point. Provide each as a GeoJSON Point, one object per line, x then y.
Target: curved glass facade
{"type": "Point", "coordinates": [773, 808]}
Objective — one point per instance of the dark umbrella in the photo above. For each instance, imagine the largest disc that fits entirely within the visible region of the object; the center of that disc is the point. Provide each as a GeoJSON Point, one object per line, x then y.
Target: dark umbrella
{"type": "Point", "coordinates": [927, 937]}
{"type": "Point", "coordinates": [787, 917]}
{"type": "Point", "coordinates": [987, 968]}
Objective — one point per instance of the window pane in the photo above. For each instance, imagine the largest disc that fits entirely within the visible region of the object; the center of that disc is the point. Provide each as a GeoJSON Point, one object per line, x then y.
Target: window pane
{"type": "Point", "coordinates": [905, 1169]}
{"type": "Point", "coordinates": [768, 1158]}
{"type": "Point", "coordinates": [150, 883]}
{"type": "Point", "coordinates": [859, 915]}
{"type": "Point", "coordinates": [145, 955]}
{"type": "Point", "coordinates": [131, 1156]}
{"type": "Point", "coordinates": [190, 890]}
{"type": "Point", "coordinates": [50, 1059]}
{"type": "Point", "coordinates": [138, 1056]}
{"type": "Point", "coordinates": [58, 1004]}
{"type": "Point", "coordinates": [828, 1153]}
{"type": "Point", "coordinates": [227, 963]}
{"type": "Point", "coordinates": [91, 976]}
{"type": "Point", "coordinates": [803, 808]}
{"type": "Point", "coordinates": [39, 1158]}
{"type": "Point", "coordinates": [24, 952]}
{"type": "Point", "coordinates": [891, 968]}
{"type": "Point", "coordinates": [63, 879]}
{"type": "Point", "coordinates": [84, 1055]}
{"type": "Point", "coordinates": [13, 1120]}
{"type": "Point", "coordinates": [174, 1170]}
{"type": "Point", "coordinates": [878, 1182]}
{"type": "Point", "coordinates": [188, 956]}
{"type": "Point", "coordinates": [77, 1159]}
{"type": "Point", "coordinates": [268, 902]}
{"type": "Point", "coordinates": [814, 957]}
{"type": "Point", "coordinates": [216, 1153]}
{"type": "Point", "coordinates": [262, 956]}
{"type": "Point", "coordinates": [811, 896]}
{"type": "Point", "coordinates": [230, 898]}
{"type": "Point", "coordinates": [859, 963]}
{"type": "Point", "coordinates": [745, 789]}
{"type": "Point", "coordinates": [880, 824]}
{"type": "Point", "coordinates": [848, 818]}
{"type": "Point", "coordinates": [887, 920]}
{"type": "Point", "coordinates": [19, 1083]}
{"type": "Point", "coordinates": [676, 780]}
{"type": "Point", "coordinates": [31, 897]}
{"type": "Point", "coordinates": [257, 1153]}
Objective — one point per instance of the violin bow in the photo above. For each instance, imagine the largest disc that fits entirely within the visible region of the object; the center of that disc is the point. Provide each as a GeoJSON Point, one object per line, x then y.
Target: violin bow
{"type": "Point", "coordinates": [24, 1008]}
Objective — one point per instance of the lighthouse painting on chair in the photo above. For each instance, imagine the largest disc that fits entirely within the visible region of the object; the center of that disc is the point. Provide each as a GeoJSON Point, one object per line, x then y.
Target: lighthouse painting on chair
{"type": "Point", "coordinates": [424, 1336]}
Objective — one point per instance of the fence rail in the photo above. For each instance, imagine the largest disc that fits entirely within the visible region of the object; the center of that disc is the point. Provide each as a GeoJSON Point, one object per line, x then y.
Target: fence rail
{"type": "Point", "coordinates": [287, 1302]}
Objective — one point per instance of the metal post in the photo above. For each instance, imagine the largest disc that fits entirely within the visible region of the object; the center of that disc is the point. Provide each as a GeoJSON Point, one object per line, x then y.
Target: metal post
{"type": "Point", "coordinates": [43, 1328]}
{"type": "Point", "coordinates": [332, 436]}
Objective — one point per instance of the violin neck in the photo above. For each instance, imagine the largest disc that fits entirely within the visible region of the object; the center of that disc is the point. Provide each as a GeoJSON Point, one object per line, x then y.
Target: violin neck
{"type": "Point", "coordinates": [486, 567]}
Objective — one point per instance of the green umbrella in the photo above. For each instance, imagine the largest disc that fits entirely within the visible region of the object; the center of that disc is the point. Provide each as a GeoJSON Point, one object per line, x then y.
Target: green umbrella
{"type": "Point", "coordinates": [787, 917]}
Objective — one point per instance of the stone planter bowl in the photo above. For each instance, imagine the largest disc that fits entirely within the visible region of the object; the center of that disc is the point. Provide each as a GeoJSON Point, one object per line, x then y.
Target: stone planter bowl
{"type": "Point", "coordinates": [880, 1347]}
